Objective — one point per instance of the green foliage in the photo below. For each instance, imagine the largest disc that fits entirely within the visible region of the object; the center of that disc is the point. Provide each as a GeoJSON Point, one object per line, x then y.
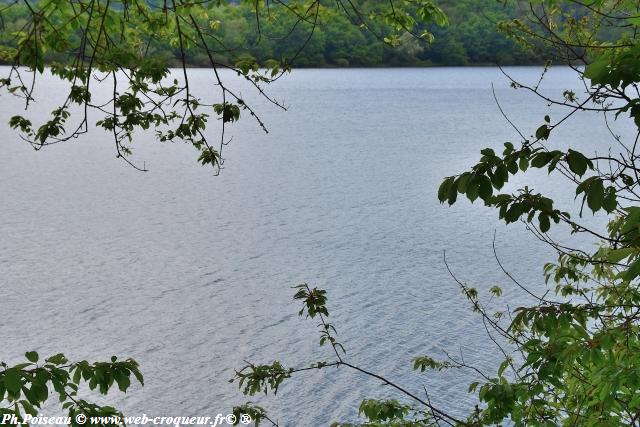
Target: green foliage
{"type": "Point", "coordinates": [314, 300]}
{"type": "Point", "coordinates": [25, 387]}
{"type": "Point", "coordinates": [386, 411]}
{"type": "Point", "coordinates": [253, 379]}
{"type": "Point", "coordinates": [315, 303]}
{"type": "Point", "coordinates": [256, 413]}
{"type": "Point", "coordinates": [424, 363]}
{"type": "Point", "coordinates": [580, 351]}
{"type": "Point", "coordinates": [463, 32]}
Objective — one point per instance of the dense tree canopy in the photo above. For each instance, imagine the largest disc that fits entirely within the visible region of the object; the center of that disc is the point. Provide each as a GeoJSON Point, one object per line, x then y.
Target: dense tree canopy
{"type": "Point", "coordinates": [469, 39]}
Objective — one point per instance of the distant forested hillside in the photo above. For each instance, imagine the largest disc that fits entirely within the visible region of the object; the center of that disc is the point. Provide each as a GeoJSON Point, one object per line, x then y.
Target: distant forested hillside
{"type": "Point", "coordinates": [470, 38]}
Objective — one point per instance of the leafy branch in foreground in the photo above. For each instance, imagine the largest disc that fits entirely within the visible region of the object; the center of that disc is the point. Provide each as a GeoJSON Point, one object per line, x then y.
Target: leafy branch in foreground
{"type": "Point", "coordinates": [114, 47]}
{"type": "Point", "coordinates": [26, 386]}
{"type": "Point", "coordinates": [253, 379]}
{"type": "Point", "coordinates": [574, 359]}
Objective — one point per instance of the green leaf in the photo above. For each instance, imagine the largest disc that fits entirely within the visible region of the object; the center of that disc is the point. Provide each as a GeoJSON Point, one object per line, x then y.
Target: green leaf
{"type": "Point", "coordinates": [40, 391]}
{"type": "Point", "coordinates": [496, 290]}
{"type": "Point", "coordinates": [543, 132]}
{"type": "Point", "coordinates": [500, 176]}
{"type": "Point", "coordinates": [138, 375]}
{"type": "Point", "coordinates": [453, 192]}
{"type": "Point", "coordinates": [502, 367]}
{"type": "Point", "coordinates": [77, 375]}
{"type": "Point", "coordinates": [617, 255]}
{"type": "Point", "coordinates": [578, 163]}
{"type": "Point", "coordinates": [57, 359]}
{"type": "Point", "coordinates": [462, 183]}
{"type": "Point", "coordinates": [545, 224]}
{"type": "Point", "coordinates": [473, 188]}
{"type": "Point", "coordinates": [597, 70]}
{"type": "Point", "coordinates": [632, 272]}
{"type": "Point", "coordinates": [541, 159]}
{"type": "Point", "coordinates": [595, 195]}
{"type": "Point", "coordinates": [122, 380]}
{"type": "Point", "coordinates": [443, 190]}
{"type": "Point", "coordinates": [31, 356]}
{"type": "Point", "coordinates": [485, 189]}
{"type": "Point", "coordinates": [12, 381]}
{"type": "Point", "coordinates": [610, 202]}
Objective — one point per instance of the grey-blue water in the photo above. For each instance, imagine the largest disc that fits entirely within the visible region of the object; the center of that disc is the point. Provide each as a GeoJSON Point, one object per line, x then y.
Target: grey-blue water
{"type": "Point", "coordinates": [191, 274]}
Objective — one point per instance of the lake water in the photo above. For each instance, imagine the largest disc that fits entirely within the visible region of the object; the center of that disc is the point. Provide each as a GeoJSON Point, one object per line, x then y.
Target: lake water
{"type": "Point", "coordinates": [191, 274]}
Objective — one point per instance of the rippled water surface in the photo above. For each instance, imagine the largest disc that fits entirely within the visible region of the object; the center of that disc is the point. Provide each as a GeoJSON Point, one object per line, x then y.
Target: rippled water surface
{"type": "Point", "coordinates": [191, 274]}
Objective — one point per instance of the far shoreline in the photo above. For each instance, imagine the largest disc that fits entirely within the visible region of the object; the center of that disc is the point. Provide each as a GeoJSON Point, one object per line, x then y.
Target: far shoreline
{"type": "Point", "coordinates": [337, 67]}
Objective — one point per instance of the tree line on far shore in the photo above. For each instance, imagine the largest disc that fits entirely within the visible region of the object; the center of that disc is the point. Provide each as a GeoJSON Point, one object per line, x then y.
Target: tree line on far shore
{"type": "Point", "coordinates": [469, 39]}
